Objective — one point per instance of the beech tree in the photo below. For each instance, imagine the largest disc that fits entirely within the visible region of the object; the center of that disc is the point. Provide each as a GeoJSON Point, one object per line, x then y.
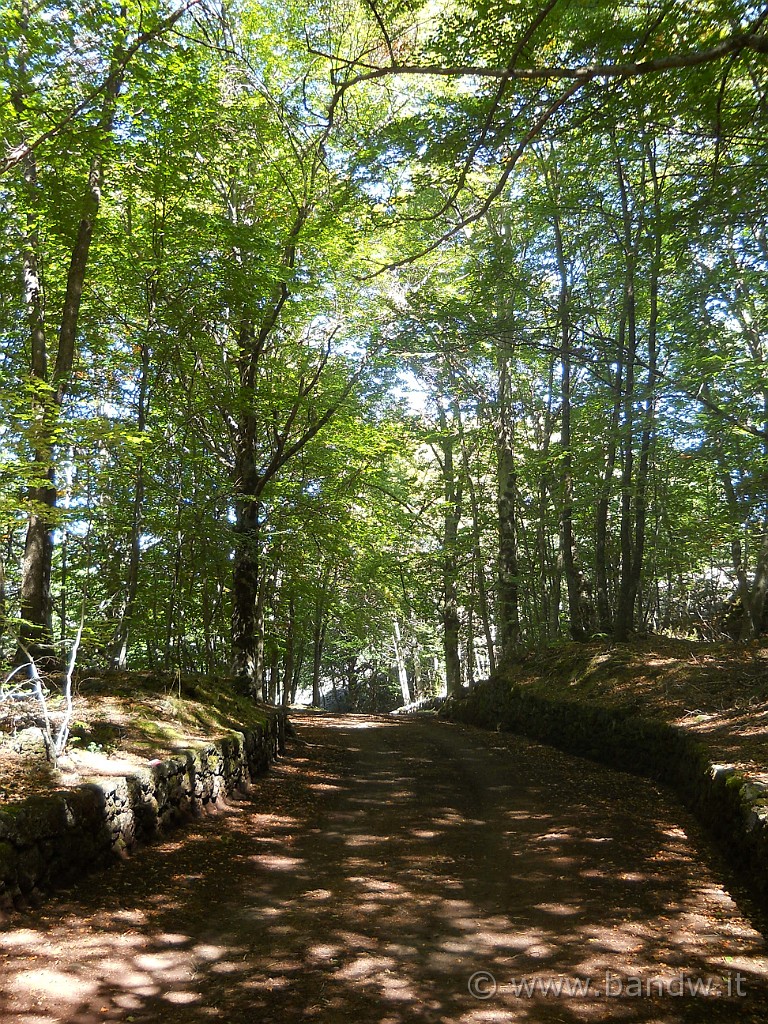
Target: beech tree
{"type": "Point", "coordinates": [355, 351]}
{"type": "Point", "coordinates": [51, 55]}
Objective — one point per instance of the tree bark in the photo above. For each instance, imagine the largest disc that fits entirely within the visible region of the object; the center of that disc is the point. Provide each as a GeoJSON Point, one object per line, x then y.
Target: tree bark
{"type": "Point", "coordinates": [578, 610]}
{"type": "Point", "coordinates": [288, 667]}
{"type": "Point", "coordinates": [602, 514]}
{"type": "Point", "coordinates": [625, 609]}
{"type": "Point", "coordinates": [548, 571]}
{"type": "Point", "coordinates": [122, 632]}
{"type": "Point", "coordinates": [402, 671]}
{"type": "Point", "coordinates": [453, 495]}
{"type": "Point", "coordinates": [648, 434]}
{"type": "Point", "coordinates": [245, 591]}
{"type": "Point", "coordinates": [482, 585]}
{"type": "Point", "coordinates": [3, 599]}
{"type": "Point", "coordinates": [36, 632]}
{"type": "Point", "coordinates": [318, 642]}
{"type": "Point", "coordinates": [508, 611]}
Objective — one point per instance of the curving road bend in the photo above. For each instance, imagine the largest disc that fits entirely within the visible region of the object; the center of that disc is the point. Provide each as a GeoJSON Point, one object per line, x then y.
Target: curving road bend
{"type": "Point", "coordinates": [393, 871]}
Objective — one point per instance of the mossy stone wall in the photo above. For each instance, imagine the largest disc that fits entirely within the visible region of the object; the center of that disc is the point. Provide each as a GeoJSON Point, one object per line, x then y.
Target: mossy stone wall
{"type": "Point", "coordinates": [49, 840]}
{"type": "Point", "coordinates": [732, 807]}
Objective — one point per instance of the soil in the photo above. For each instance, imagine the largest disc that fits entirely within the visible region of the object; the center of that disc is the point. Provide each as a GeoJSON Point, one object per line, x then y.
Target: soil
{"type": "Point", "coordinates": [378, 869]}
{"type": "Point", "coordinates": [718, 691]}
{"type": "Point", "coordinates": [120, 721]}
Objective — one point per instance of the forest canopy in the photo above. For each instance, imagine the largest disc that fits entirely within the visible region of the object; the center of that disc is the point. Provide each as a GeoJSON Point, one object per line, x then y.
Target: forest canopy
{"type": "Point", "coordinates": [355, 346]}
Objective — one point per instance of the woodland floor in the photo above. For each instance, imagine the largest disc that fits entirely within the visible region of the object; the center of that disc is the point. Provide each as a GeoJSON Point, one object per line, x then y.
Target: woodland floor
{"type": "Point", "coordinates": [374, 870]}
{"type": "Point", "coordinates": [718, 691]}
{"type": "Point", "coordinates": [123, 720]}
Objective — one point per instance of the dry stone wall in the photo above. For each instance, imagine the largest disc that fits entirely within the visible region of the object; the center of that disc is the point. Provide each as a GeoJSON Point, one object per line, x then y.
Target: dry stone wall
{"type": "Point", "coordinates": [732, 806]}
{"type": "Point", "coordinates": [47, 841]}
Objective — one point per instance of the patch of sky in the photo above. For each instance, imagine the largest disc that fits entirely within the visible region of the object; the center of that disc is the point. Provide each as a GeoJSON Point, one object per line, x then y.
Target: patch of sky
{"type": "Point", "coordinates": [411, 392]}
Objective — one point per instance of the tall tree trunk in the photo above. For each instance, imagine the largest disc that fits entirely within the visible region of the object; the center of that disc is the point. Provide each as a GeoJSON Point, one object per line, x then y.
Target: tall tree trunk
{"type": "Point", "coordinates": [471, 659]}
{"type": "Point", "coordinates": [249, 581]}
{"type": "Point", "coordinates": [273, 689]}
{"type": "Point", "coordinates": [452, 492]}
{"type": "Point", "coordinates": [35, 633]}
{"type": "Point", "coordinates": [288, 667]}
{"type": "Point", "coordinates": [318, 642]}
{"type": "Point", "coordinates": [578, 611]}
{"type": "Point", "coordinates": [626, 603]}
{"type": "Point", "coordinates": [254, 471]}
{"type": "Point", "coordinates": [245, 591]}
{"type": "Point", "coordinates": [248, 486]}
{"type": "Point", "coordinates": [3, 600]}
{"type": "Point", "coordinates": [402, 671]}
{"type": "Point", "coordinates": [547, 571]}
{"type": "Point", "coordinates": [602, 512]}
{"type": "Point", "coordinates": [298, 666]}
{"type": "Point", "coordinates": [647, 437]}
{"type": "Point", "coordinates": [625, 609]}
{"type": "Point", "coordinates": [418, 692]}
{"type": "Point", "coordinates": [122, 632]}
{"type": "Point", "coordinates": [249, 482]}
{"type": "Point", "coordinates": [482, 585]}
{"type": "Point", "coordinates": [171, 638]}
{"type": "Point", "coordinates": [508, 611]}
{"type": "Point", "coordinates": [257, 680]}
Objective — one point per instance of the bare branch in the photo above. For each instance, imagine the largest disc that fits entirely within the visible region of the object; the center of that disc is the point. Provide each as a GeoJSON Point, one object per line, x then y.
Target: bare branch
{"type": "Point", "coordinates": [371, 4]}
{"type": "Point", "coordinates": [736, 43]}
{"type": "Point", "coordinates": [47, 730]}
{"type": "Point", "coordinates": [63, 733]}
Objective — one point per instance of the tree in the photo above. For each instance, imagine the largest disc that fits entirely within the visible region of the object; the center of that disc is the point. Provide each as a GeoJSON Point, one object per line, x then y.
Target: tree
{"type": "Point", "coordinates": [242, 245]}
{"type": "Point", "coordinates": [43, 68]}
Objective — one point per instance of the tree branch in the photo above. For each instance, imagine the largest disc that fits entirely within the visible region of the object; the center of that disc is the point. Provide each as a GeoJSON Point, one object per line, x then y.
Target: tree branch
{"type": "Point", "coordinates": [737, 43]}
{"type": "Point", "coordinates": [20, 153]}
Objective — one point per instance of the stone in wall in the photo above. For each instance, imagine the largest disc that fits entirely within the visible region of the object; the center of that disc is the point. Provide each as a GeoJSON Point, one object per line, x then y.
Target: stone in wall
{"type": "Point", "coordinates": [734, 809]}
{"type": "Point", "coordinates": [49, 840]}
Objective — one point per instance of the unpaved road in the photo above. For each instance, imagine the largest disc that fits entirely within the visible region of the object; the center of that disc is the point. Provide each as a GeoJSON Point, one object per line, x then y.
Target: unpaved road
{"type": "Point", "coordinates": [374, 871]}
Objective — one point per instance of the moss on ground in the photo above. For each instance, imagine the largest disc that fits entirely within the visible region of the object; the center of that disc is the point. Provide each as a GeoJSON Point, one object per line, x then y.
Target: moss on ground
{"type": "Point", "coordinates": [122, 719]}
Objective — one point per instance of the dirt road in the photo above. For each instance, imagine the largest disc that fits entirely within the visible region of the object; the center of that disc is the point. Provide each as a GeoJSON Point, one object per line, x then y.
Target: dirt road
{"type": "Point", "coordinates": [396, 871]}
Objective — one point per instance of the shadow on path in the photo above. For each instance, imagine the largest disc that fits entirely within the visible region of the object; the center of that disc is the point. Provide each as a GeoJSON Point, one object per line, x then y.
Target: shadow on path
{"type": "Point", "coordinates": [372, 873]}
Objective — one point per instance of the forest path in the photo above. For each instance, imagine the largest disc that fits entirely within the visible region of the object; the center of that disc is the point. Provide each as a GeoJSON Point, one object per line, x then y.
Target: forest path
{"type": "Point", "coordinates": [373, 871]}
